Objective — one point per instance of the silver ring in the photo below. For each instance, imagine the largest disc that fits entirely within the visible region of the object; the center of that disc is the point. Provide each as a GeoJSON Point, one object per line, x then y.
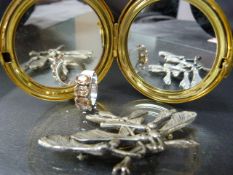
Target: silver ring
{"type": "Point", "coordinates": [56, 71]}
{"type": "Point", "coordinates": [86, 90]}
{"type": "Point", "coordinates": [60, 76]}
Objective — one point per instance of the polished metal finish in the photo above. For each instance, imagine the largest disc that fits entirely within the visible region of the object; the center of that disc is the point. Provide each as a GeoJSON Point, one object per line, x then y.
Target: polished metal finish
{"type": "Point", "coordinates": [8, 28]}
{"type": "Point", "coordinates": [59, 61]}
{"type": "Point", "coordinates": [179, 67]}
{"type": "Point", "coordinates": [86, 90]}
{"type": "Point", "coordinates": [143, 58]}
{"type": "Point", "coordinates": [115, 35]}
{"type": "Point", "coordinates": [129, 137]}
{"type": "Point", "coordinates": [215, 16]}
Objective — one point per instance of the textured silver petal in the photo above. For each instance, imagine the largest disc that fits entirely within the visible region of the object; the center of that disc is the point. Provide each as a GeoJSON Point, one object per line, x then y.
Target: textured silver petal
{"type": "Point", "coordinates": [167, 79]}
{"type": "Point", "coordinates": [62, 143]}
{"type": "Point", "coordinates": [196, 77]}
{"type": "Point", "coordinates": [137, 114]}
{"type": "Point", "coordinates": [95, 136]}
{"type": "Point", "coordinates": [118, 125]}
{"type": "Point", "coordinates": [185, 83]}
{"type": "Point", "coordinates": [181, 143]}
{"type": "Point", "coordinates": [162, 116]}
{"type": "Point", "coordinates": [101, 136]}
{"type": "Point", "coordinates": [178, 121]}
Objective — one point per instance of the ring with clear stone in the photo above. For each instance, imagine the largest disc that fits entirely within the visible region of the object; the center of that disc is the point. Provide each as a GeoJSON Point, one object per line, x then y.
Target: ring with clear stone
{"type": "Point", "coordinates": [86, 90]}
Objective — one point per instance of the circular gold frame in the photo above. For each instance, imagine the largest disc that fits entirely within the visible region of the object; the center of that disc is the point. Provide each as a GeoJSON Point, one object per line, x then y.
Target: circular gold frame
{"type": "Point", "coordinates": [221, 67]}
{"type": "Point", "coordinates": [8, 28]}
{"type": "Point", "coordinates": [116, 44]}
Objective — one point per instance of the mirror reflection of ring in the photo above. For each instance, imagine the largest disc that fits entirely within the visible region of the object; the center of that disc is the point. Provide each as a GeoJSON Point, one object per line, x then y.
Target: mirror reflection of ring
{"type": "Point", "coordinates": [59, 74]}
{"type": "Point", "coordinates": [181, 36]}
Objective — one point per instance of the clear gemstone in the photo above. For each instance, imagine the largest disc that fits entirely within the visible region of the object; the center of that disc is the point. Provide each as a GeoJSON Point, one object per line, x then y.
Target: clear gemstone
{"type": "Point", "coordinates": [83, 80]}
{"type": "Point", "coordinates": [82, 91]}
{"type": "Point", "coordinates": [83, 104]}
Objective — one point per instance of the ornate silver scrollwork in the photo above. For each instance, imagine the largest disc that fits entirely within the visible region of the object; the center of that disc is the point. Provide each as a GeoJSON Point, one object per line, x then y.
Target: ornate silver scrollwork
{"type": "Point", "coordinates": [129, 137]}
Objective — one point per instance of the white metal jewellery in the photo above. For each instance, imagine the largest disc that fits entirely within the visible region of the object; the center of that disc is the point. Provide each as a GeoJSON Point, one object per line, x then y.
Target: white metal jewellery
{"type": "Point", "coordinates": [86, 90]}
{"type": "Point", "coordinates": [129, 137]}
{"type": "Point", "coordinates": [59, 61]}
{"type": "Point", "coordinates": [143, 58]}
{"type": "Point", "coordinates": [173, 66]}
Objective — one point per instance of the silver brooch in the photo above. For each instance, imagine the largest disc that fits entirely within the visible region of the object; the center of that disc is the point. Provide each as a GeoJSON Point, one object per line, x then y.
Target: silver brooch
{"type": "Point", "coordinates": [175, 66]}
{"type": "Point", "coordinates": [130, 137]}
{"type": "Point", "coordinates": [59, 61]}
{"type": "Point", "coordinates": [185, 70]}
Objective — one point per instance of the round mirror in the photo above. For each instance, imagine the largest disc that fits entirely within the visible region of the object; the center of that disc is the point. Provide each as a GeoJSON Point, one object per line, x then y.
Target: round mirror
{"type": "Point", "coordinates": [174, 51]}
{"type": "Point", "coordinates": [46, 43]}
{"type": "Point", "coordinates": [169, 49]}
{"type": "Point", "coordinates": [56, 40]}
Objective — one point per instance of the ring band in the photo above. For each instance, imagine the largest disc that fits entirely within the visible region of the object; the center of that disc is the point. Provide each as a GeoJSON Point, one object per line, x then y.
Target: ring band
{"type": "Point", "coordinates": [57, 73]}
{"type": "Point", "coordinates": [86, 90]}
{"type": "Point", "coordinates": [56, 68]}
{"type": "Point", "coordinates": [86, 86]}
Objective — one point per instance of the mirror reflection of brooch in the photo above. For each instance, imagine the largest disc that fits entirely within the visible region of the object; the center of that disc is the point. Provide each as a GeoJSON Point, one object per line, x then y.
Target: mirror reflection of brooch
{"type": "Point", "coordinates": [175, 66]}
{"type": "Point", "coordinates": [188, 71]}
{"type": "Point", "coordinates": [59, 61]}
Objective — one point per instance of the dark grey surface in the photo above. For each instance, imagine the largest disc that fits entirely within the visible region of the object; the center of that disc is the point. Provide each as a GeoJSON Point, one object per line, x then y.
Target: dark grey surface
{"type": "Point", "coordinates": [21, 115]}
{"type": "Point", "coordinates": [5, 84]}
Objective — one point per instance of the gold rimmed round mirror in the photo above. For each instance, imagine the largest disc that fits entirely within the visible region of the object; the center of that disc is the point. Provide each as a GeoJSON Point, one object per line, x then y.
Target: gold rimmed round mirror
{"type": "Point", "coordinates": [169, 56]}
{"type": "Point", "coordinates": [42, 43]}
